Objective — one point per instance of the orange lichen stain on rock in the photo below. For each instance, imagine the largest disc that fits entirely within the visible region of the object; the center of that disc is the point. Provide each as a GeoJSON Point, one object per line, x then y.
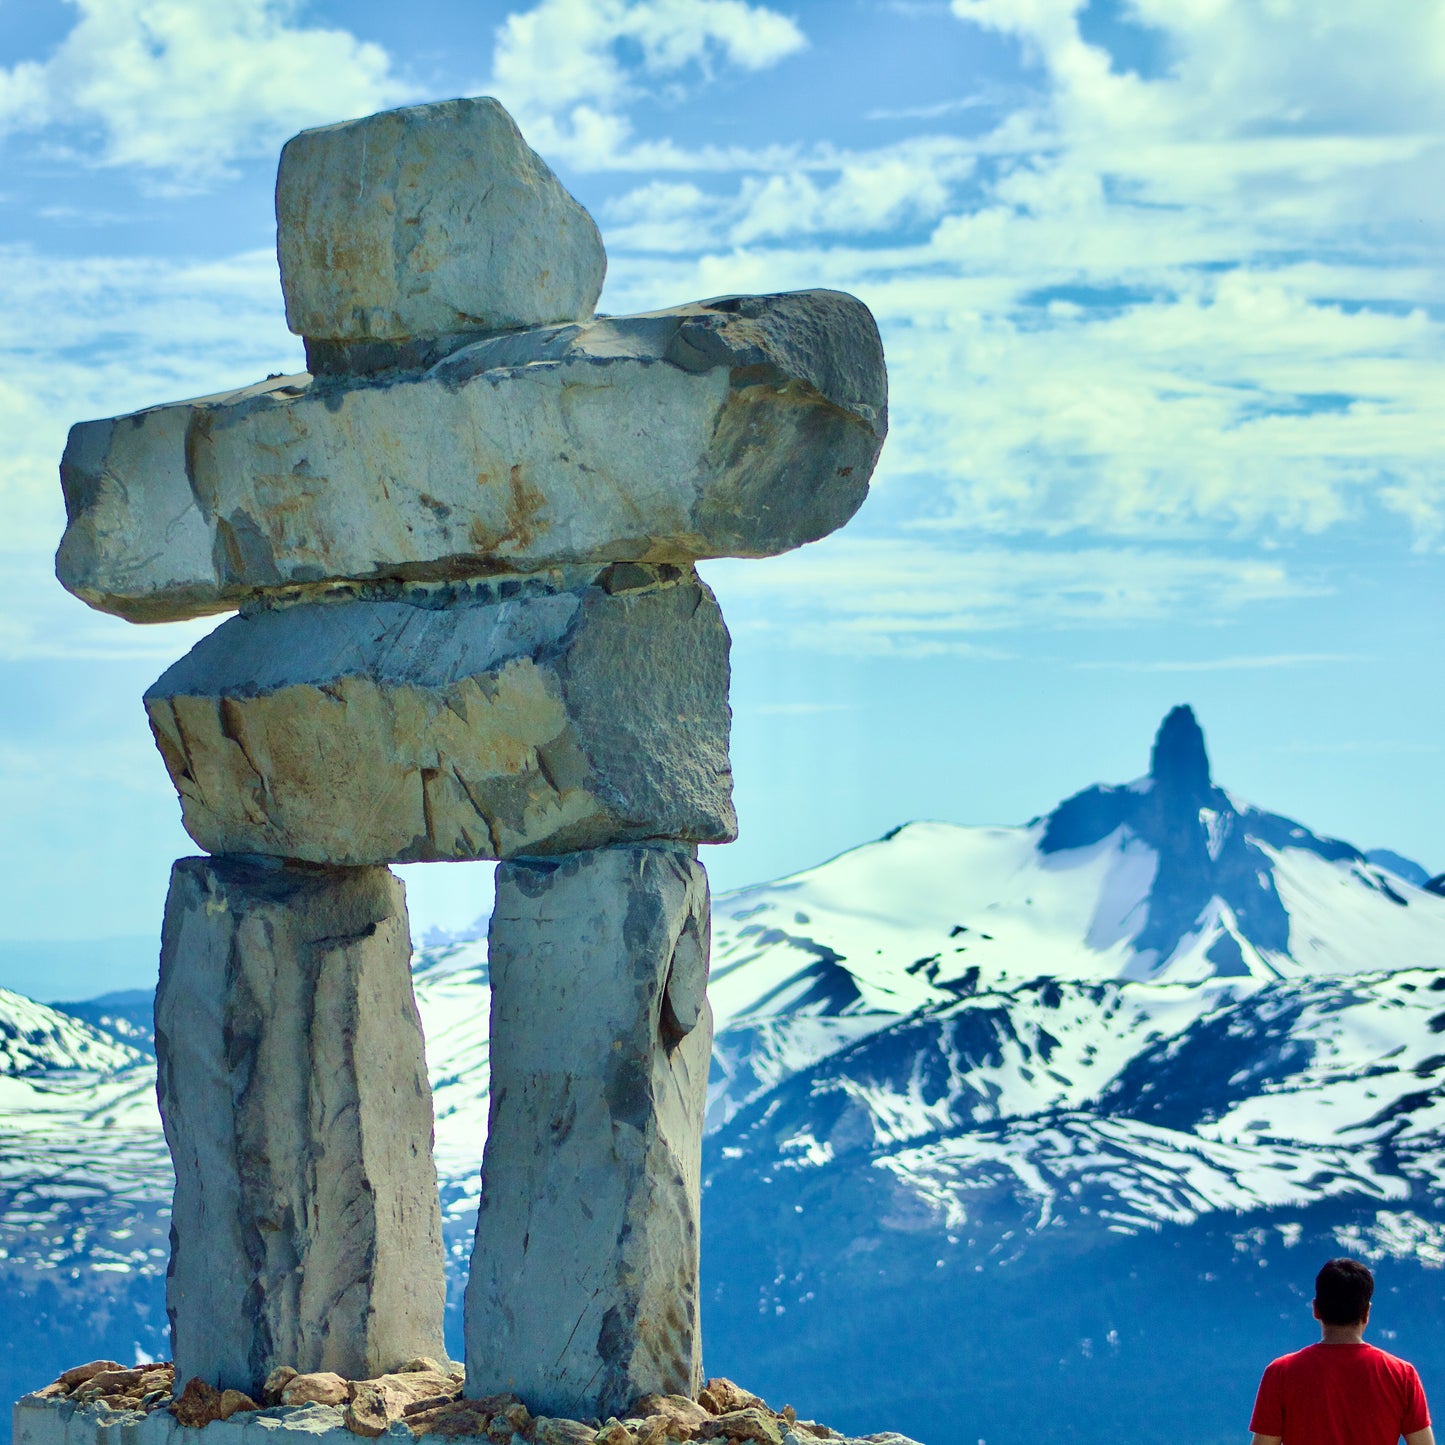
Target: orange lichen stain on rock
{"type": "Point", "coordinates": [522, 507]}
{"type": "Point", "coordinates": [525, 506]}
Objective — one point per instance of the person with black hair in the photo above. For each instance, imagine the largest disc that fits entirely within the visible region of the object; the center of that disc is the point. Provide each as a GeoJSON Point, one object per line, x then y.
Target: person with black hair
{"type": "Point", "coordinates": [1341, 1391]}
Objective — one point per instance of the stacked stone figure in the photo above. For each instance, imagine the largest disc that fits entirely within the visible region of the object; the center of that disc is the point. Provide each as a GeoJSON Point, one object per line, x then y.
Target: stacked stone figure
{"type": "Point", "coordinates": [461, 551]}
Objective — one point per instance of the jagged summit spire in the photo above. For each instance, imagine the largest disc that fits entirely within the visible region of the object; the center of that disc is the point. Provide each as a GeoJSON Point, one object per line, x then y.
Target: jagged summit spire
{"type": "Point", "coordinates": [1179, 761]}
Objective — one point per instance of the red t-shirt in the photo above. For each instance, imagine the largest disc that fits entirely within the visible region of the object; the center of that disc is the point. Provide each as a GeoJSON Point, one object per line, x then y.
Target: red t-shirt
{"type": "Point", "coordinates": [1340, 1395]}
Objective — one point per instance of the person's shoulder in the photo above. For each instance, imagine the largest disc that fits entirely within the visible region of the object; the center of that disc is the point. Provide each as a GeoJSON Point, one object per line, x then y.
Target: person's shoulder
{"type": "Point", "coordinates": [1286, 1362]}
{"type": "Point", "coordinates": [1384, 1360]}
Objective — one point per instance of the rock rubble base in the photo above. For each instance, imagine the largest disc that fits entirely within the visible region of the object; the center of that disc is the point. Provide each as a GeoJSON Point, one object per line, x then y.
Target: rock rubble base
{"type": "Point", "coordinates": [88, 1402]}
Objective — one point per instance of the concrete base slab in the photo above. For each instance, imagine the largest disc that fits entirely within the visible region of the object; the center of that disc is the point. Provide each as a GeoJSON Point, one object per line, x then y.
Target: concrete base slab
{"type": "Point", "coordinates": [39, 1421]}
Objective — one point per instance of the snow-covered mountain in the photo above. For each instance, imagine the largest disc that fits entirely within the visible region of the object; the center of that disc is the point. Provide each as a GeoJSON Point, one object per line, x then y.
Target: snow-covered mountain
{"type": "Point", "coordinates": [1073, 1111]}
{"type": "Point", "coordinates": [1167, 879]}
{"type": "Point", "coordinates": [1011, 1131]}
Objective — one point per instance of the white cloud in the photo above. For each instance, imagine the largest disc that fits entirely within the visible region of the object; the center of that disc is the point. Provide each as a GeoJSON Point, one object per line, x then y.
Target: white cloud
{"type": "Point", "coordinates": [865, 595]}
{"type": "Point", "coordinates": [869, 193]}
{"type": "Point", "coordinates": [1251, 663]}
{"type": "Point", "coordinates": [560, 67]}
{"type": "Point", "coordinates": [873, 192]}
{"type": "Point", "coordinates": [801, 709]}
{"type": "Point", "coordinates": [1243, 407]}
{"type": "Point", "coordinates": [118, 335]}
{"type": "Point", "coordinates": [935, 110]}
{"type": "Point", "coordinates": [40, 621]}
{"type": "Point", "coordinates": [183, 88]}
{"type": "Point", "coordinates": [1206, 303]}
{"type": "Point", "coordinates": [1290, 113]}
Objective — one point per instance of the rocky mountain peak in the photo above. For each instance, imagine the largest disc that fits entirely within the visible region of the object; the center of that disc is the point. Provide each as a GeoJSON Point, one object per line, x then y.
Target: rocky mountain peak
{"type": "Point", "coordinates": [1179, 763]}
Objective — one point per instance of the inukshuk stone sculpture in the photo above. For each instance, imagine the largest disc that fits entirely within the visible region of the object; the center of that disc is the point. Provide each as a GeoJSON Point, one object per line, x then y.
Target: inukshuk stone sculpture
{"type": "Point", "coordinates": [469, 627]}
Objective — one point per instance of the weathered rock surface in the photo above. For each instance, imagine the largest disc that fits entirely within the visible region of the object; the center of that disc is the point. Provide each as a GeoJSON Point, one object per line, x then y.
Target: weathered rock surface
{"type": "Point", "coordinates": [465, 722]}
{"type": "Point", "coordinates": [306, 1228]}
{"type": "Point", "coordinates": [583, 1291]}
{"type": "Point", "coordinates": [428, 220]}
{"type": "Point", "coordinates": [743, 426]}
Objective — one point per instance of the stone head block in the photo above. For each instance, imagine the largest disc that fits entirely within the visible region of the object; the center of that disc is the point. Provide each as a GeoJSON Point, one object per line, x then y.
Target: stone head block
{"type": "Point", "coordinates": [472, 721]}
{"type": "Point", "coordinates": [426, 221]}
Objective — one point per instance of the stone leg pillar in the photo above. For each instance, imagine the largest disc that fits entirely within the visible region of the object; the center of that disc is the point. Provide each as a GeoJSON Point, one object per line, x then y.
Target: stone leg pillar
{"type": "Point", "coordinates": [584, 1284]}
{"type": "Point", "coordinates": [306, 1229]}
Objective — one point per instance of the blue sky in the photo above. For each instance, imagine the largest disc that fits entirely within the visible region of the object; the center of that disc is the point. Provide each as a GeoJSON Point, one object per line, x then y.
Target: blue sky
{"type": "Point", "coordinates": [1161, 293]}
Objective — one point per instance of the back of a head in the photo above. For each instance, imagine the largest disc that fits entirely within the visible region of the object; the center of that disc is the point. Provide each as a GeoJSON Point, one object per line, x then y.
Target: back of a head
{"type": "Point", "coordinates": [1342, 1292]}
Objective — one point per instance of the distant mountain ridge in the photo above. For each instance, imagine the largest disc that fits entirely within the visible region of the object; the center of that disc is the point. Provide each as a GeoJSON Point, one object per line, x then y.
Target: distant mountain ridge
{"type": "Point", "coordinates": [1167, 879]}
{"type": "Point", "coordinates": [1007, 1126]}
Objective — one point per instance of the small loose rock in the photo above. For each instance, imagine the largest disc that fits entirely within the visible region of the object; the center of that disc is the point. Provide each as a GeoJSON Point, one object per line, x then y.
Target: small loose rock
{"type": "Point", "coordinates": [752, 1423]}
{"type": "Point", "coordinates": [198, 1404]}
{"type": "Point", "coordinates": [368, 1412]}
{"type": "Point", "coordinates": [614, 1432]}
{"type": "Point", "coordinates": [277, 1381]}
{"type": "Point", "coordinates": [429, 1402]}
{"type": "Point", "coordinates": [684, 1417]}
{"type": "Point", "coordinates": [79, 1374]}
{"type": "Point", "coordinates": [720, 1396]}
{"type": "Point", "coordinates": [422, 1362]}
{"type": "Point", "coordinates": [557, 1431]}
{"type": "Point", "coordinates": [424, 1396]}
{"type": "Point", "coordinates": [118, 1381]}
{"type": "Point", "coordinates": [236, 1402]}
{"type": "Point", "coordinates": [460, 1417]}
{"type": "Point", "coordinates": [321, 1388]}
{"type": "Point", "coordinates": [519, 1417]}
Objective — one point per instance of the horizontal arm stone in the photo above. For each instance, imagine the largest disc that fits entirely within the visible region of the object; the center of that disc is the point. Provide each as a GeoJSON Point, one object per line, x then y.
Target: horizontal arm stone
{"type": "Point", "coordinates": [743, 426]}
{"type": "Point", "coordinates": [458, 722]}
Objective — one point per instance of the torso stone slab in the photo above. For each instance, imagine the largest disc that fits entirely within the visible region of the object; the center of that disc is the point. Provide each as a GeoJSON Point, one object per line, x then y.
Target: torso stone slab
{"type": "Point", "coordinates": [505, 719]}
